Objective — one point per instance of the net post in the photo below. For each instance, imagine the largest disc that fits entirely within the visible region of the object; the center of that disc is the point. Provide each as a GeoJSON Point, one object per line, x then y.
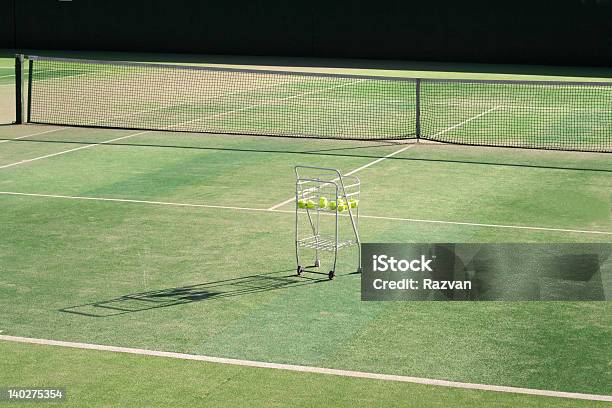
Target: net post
{"type": "Point", "coordinates": [418, 108]}
{"type": "Point", "coordinates": [30, 75]}
{"type": "Point", "coordinates": [19, 89]}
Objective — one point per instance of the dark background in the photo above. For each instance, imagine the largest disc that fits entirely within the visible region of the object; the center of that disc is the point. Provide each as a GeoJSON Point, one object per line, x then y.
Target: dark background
{"type": "Point", "coordinates": [562, 32]}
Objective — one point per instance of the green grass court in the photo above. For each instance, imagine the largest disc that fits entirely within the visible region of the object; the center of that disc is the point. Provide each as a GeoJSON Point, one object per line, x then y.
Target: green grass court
{"type": "Point", "coordinates": [166, 241]}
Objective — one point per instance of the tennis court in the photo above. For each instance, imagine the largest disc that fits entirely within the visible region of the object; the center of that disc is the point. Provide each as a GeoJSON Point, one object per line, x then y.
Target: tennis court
{"type": "Point", "coordinates": [183, 242]}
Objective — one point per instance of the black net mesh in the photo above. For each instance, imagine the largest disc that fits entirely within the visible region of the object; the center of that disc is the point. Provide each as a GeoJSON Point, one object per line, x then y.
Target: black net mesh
{"type": "Point", "coordinates": [196, 99]}
{"type": "Point", "coordinates": [543, 115]}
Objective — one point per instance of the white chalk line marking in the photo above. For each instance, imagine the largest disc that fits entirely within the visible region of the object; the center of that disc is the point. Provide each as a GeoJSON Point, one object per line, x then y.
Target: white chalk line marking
{"type": "Point", "coordinates": [127, 200]}
{"type": "Point", "coordinates": [50, 79]}
{"type": "Point", "coordinates": [475, 224]}
{"type": "Point", "coordinates": [264, 103]}
{"type": "Point", "coordinates": [34, 80]}
{"type": "Point", "coordinates": [289, 200]}
{"type": "Point", "coordinates": [149, 131]}
{"type": "Point", "coordinates": [73, 150]}
{"type": "Point", "coordinates": [25, 74]}
{"type": "Point", "coordinates": [467, 120]}
{"type": "Point", "coordinates": [176, 125]}
{"type": "Point", "coordinates": [308, 369]}
{"type": "Point", "coordinates": [176, 104]}
{"type": "Point", "coordinates": [30, 135]}
{"type": "Point", "coordinates": [561, 108]}
{"type": "Point", "coordinates": [365, 166]}
{"type": "Point", "coordinates": [376, 217]}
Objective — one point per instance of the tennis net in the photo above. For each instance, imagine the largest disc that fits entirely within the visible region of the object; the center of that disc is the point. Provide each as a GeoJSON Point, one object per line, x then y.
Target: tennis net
{"type": "Point", "coordinates": [531, 114]}
{"type": "Point", "coordinates": [198, 99]}
{"type": "Point", "coordinates": [543, 115]}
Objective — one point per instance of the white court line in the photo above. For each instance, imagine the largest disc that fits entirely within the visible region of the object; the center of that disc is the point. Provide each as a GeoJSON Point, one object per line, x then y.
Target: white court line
{"type": "Point", "coordinates": [559, 108]}
{"type": "Point", "coordinates": [467, 120]}
{"type": "Point", "coordinates": [50, 79]}
{"type": "Point", "coordinates": [176, 104]}
{"type": "Point", "coordinates": [376, 217]}
{"type": "Point", "coordinates": [309, 369]}
{"type": "Point", "coordinates": [289, 200]}
{"type": "Point", "coordinates": [266, 103]}
{"type": "Point", "coordinates": [30, 135]}
{"type": "Point", "coordinates": [179, 124]}
{"type": "Point", "coordinates": [72, 150]}
{"type": "Point", "coordinates": [127, 200]}
{"type": "Point", "coordinates": [365, 166]}
{"type": "Point", "coordinates": [475, 224]}
{"type": "Point", "coordinates": [38, 72]}
{"type": "Point", "coordinates": [63, 77]}
{"type": "Point", "coordinates": [149, 131]}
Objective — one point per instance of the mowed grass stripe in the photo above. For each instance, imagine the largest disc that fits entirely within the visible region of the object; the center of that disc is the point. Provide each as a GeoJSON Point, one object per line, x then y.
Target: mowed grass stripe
{"type": "Point", "coordinates": [305, 369]}
{"type": "Point", "coordinates": [227, 173]}
{"type": "Point", "coordinates": [190, 177]}
{"type": "Point", "coordinates": [163, 292]}
{"type": "Point", "coordinates": [183, 383]}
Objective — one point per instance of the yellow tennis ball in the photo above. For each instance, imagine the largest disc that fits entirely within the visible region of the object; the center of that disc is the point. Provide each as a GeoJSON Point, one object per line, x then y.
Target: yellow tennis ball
{"type": "Point", "coordinates": [322, 202]}
{"type": "Point", "coordinates": [342, 207]}
{"type": "Point", "coordinates": [301, 203]}
{"type": "Point", "coordinates": [332, 205]}
{"type": "Point", "coordinates": [353, 203]}
{"type": "Point", "coordinates": [310, 204]}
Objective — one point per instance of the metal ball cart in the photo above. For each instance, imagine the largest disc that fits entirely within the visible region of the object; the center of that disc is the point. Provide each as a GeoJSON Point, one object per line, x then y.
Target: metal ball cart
{"type": "Point", "coordinates": [323, 192]}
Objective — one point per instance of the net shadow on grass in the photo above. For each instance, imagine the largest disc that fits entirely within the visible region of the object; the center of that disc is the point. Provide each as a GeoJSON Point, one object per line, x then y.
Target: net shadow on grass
{"type": "Point", "coordinates": [388, 143]}
{"type": "Point", "coordinates": [327, 152]}
{"type": "Point", "coordinates": [182, 295]}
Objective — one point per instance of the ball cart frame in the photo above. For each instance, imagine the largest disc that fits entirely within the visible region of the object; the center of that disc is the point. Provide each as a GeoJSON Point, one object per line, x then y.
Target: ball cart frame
{"type": "Point", "coordinates": [320, 192]}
